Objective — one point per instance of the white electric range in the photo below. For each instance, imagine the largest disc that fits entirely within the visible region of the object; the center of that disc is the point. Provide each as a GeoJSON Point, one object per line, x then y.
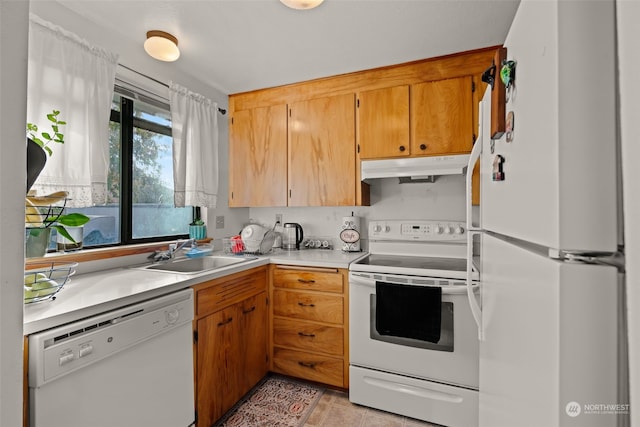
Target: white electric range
{"type": "Point", "coordinates": [413, 342]}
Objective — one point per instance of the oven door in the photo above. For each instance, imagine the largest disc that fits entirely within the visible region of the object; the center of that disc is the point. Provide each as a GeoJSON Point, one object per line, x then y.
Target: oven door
{"type": "Point", "coordinates": [451, 360]}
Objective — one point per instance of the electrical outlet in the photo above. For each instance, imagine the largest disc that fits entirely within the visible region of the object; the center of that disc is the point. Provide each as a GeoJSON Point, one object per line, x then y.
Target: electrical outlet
{"type": "Point", "coordinates": [279, 218]}
{"type": "Point", "coordinates": [220, 221]}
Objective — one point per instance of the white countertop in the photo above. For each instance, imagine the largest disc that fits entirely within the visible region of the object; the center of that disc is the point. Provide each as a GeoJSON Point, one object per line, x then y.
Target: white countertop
{"type": "Point", "coordinates": [89, 294]}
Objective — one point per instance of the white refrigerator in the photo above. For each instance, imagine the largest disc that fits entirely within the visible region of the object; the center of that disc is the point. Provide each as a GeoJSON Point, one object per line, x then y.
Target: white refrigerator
{"type": "Point", "coordinates": [548, 232]}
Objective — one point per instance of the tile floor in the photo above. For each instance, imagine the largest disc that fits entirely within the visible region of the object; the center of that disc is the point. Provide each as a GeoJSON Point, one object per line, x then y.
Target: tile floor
{"type": "Point", "coordinates": [334, 409]}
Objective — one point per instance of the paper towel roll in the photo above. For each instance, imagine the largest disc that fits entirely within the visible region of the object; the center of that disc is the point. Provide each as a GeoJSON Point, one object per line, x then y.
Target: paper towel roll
{"type": "Point", "coordinates": [350, 234]}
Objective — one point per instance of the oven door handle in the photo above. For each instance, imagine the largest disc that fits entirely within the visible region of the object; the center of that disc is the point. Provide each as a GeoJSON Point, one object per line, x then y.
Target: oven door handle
{"type": "Point", "coordinates": [446, 290]}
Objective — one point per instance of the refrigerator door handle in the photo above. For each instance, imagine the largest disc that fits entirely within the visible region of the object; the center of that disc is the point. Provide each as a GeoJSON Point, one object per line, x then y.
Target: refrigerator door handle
{"type": "Point", "coordinates": [472, 231]}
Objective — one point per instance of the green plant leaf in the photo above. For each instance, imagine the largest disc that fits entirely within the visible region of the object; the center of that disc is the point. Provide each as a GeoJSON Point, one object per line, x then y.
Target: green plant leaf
{"type": "Point", "coordinates": [35, 231]}
{"type": "Point", "coordinates": [73, 220]}
{"type": "Point", "coordinates": [44, 138]}
{"type": "Point", "coordinates": [64, 233]}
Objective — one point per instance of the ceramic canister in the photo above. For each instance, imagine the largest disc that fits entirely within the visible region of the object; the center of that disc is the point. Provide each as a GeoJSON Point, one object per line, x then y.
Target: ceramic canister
{"type": "Point", "coordinates": [350, 234]}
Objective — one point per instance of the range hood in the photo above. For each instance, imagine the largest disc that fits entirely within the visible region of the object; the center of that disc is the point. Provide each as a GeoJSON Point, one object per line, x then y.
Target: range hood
{"type": "Point", "coordinates": [415, 168]}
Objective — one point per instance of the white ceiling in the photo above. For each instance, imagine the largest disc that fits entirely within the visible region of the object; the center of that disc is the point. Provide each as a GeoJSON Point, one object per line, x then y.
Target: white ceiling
{"type": "Point", "coordinates": [242, 45]}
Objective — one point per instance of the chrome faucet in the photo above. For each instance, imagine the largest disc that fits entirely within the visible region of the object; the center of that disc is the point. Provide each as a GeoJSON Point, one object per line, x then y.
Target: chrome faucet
{"type": "Point", "coordinates": [173, 248]}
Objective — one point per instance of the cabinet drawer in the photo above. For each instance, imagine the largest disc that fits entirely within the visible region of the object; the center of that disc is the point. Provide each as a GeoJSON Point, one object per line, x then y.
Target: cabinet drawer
{"type": "Point", "coordinates": [221, 293]}
{"type": "Point", "coordinates": [312, 367]}
{"type": "Point", "coordinates": [309, 306]}
{"type": "Point", "coordinates": [326, 280]}
{"type": "Point", "coordinates": [308, 336]}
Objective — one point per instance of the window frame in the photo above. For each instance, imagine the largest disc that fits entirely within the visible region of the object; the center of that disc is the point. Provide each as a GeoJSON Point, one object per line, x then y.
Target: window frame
{"type": "Point", "coordinates": [128, 122]}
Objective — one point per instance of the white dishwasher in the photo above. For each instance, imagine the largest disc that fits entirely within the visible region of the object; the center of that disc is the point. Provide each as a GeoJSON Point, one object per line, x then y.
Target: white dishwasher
{"type": "Point", "coordinates": [131, 367]}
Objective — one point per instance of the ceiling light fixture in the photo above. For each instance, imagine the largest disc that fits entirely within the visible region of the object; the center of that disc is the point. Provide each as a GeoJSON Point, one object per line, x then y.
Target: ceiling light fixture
{"type": "Point", "coordinates": [162, 46]}
{"type": "Point", "coordinates": [301, 4]}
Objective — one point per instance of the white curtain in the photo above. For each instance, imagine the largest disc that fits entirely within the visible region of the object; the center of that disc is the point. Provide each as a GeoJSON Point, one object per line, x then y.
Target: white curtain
{"type": "Point", "coordinates": [194, 122]}
{"type": "Point", "coordinates": [68, 74]}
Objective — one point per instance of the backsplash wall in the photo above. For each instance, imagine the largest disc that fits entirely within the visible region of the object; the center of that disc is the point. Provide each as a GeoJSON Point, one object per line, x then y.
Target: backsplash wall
{"type": "Point", "coordinates": [443, 199]}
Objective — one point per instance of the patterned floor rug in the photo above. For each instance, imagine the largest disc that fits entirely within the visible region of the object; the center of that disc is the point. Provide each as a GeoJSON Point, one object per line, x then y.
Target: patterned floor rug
{"type": "Point", "coordinates": [276, 401]}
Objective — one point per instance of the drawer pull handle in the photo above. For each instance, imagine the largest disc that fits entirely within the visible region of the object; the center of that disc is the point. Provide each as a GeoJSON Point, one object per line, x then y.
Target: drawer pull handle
{"type": "Point", "coordinates": [249, 311]}
{"type": "Point", "coordinates": [307, 364]}
{"type": "Point", "coordinates": [229, 320]}
{"type": "Point", "coordinates": [302, 304]}
{"type": "Point", "coordinates": [302, 334]}
{"type": "Point", "coordinates": [306, 281]}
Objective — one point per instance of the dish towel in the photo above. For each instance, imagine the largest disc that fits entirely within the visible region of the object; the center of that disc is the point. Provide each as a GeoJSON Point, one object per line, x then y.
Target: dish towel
{"type": "Point", "coordinates": [408, 311]}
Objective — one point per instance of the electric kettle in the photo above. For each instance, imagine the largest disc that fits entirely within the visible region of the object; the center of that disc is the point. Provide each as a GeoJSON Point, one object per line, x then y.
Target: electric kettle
{"type": "Point", "coordinates": [292, 236]}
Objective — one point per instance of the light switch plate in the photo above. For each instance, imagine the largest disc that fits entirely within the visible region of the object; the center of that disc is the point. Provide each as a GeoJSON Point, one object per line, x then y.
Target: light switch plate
{"type": "Point", "coordinates": [220, 221]}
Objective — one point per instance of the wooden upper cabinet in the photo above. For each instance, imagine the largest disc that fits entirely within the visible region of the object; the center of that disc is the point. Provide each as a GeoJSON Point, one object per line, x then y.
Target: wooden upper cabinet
{"type": "Point", "coordinates": [383, 123]}
{"type": "Point", "coordinates": [258, 157]}
{"type": "Point", "coordinates": [423, 119]}
{"type": "Point", "coordinates": [322, 164]}
{"type": "Point", "coordinates": [419, 108]}
{"type": "Point", "coordinates": [442, 117]}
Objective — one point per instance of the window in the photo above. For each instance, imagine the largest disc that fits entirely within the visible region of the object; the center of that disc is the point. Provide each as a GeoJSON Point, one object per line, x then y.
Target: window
{"type": "Point", "coordinates": [139, 204]}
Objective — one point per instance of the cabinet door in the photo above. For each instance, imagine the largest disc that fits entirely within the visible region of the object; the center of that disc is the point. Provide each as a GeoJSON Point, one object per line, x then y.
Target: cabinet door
{"type": "Point", "coordinates": [258, 157]}
{"type": "Point", "coordinates": [442, 117]}
{"type": "Point", "coordinates": [253, 349]}
{"type": "Point", "coordinates": [383, 123]}
{"type": "Point", "coordinates": [322, 152]}
{"type": "Point", "coordinates": [217, 385]}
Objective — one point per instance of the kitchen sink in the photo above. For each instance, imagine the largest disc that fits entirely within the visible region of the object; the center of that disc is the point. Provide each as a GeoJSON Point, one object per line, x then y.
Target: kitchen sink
{"type": "Point", "coordinates": [196, 265]}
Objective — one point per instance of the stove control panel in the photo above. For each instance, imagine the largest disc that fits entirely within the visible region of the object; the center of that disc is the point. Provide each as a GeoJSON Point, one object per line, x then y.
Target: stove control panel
{"type": "Point", "coordinates": [422, 230]}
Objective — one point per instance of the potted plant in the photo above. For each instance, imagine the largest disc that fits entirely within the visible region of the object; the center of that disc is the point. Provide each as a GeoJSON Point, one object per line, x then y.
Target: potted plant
{"type": "Point", "coordinates": [197, 228]}
{"type": "Point", "coordinates": [43, 213]}
{"type": "Point", "coordinates": [38, 145]}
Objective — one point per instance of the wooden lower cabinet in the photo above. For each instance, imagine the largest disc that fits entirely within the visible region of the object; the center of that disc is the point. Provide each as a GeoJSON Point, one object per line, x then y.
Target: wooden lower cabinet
{"type": "Point", "coordinates": [230, 341]}
{"type": "Point", "coordinates": [309, 366]}
{"type": "Point", "coordinates": [309, 323]}
{"type": "Point", "coordinates": [316, 306]}
{"type": "Point", "coordinates": [253, 345]}
{"type": "Point", "coordinates": [308, 336]}
{"type": "Point", "coordinates": [218, 369]}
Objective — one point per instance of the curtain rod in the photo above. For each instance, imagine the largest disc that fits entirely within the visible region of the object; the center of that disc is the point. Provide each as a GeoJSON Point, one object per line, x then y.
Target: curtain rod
{"type": "Point", "coordinates": [220, 110]}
